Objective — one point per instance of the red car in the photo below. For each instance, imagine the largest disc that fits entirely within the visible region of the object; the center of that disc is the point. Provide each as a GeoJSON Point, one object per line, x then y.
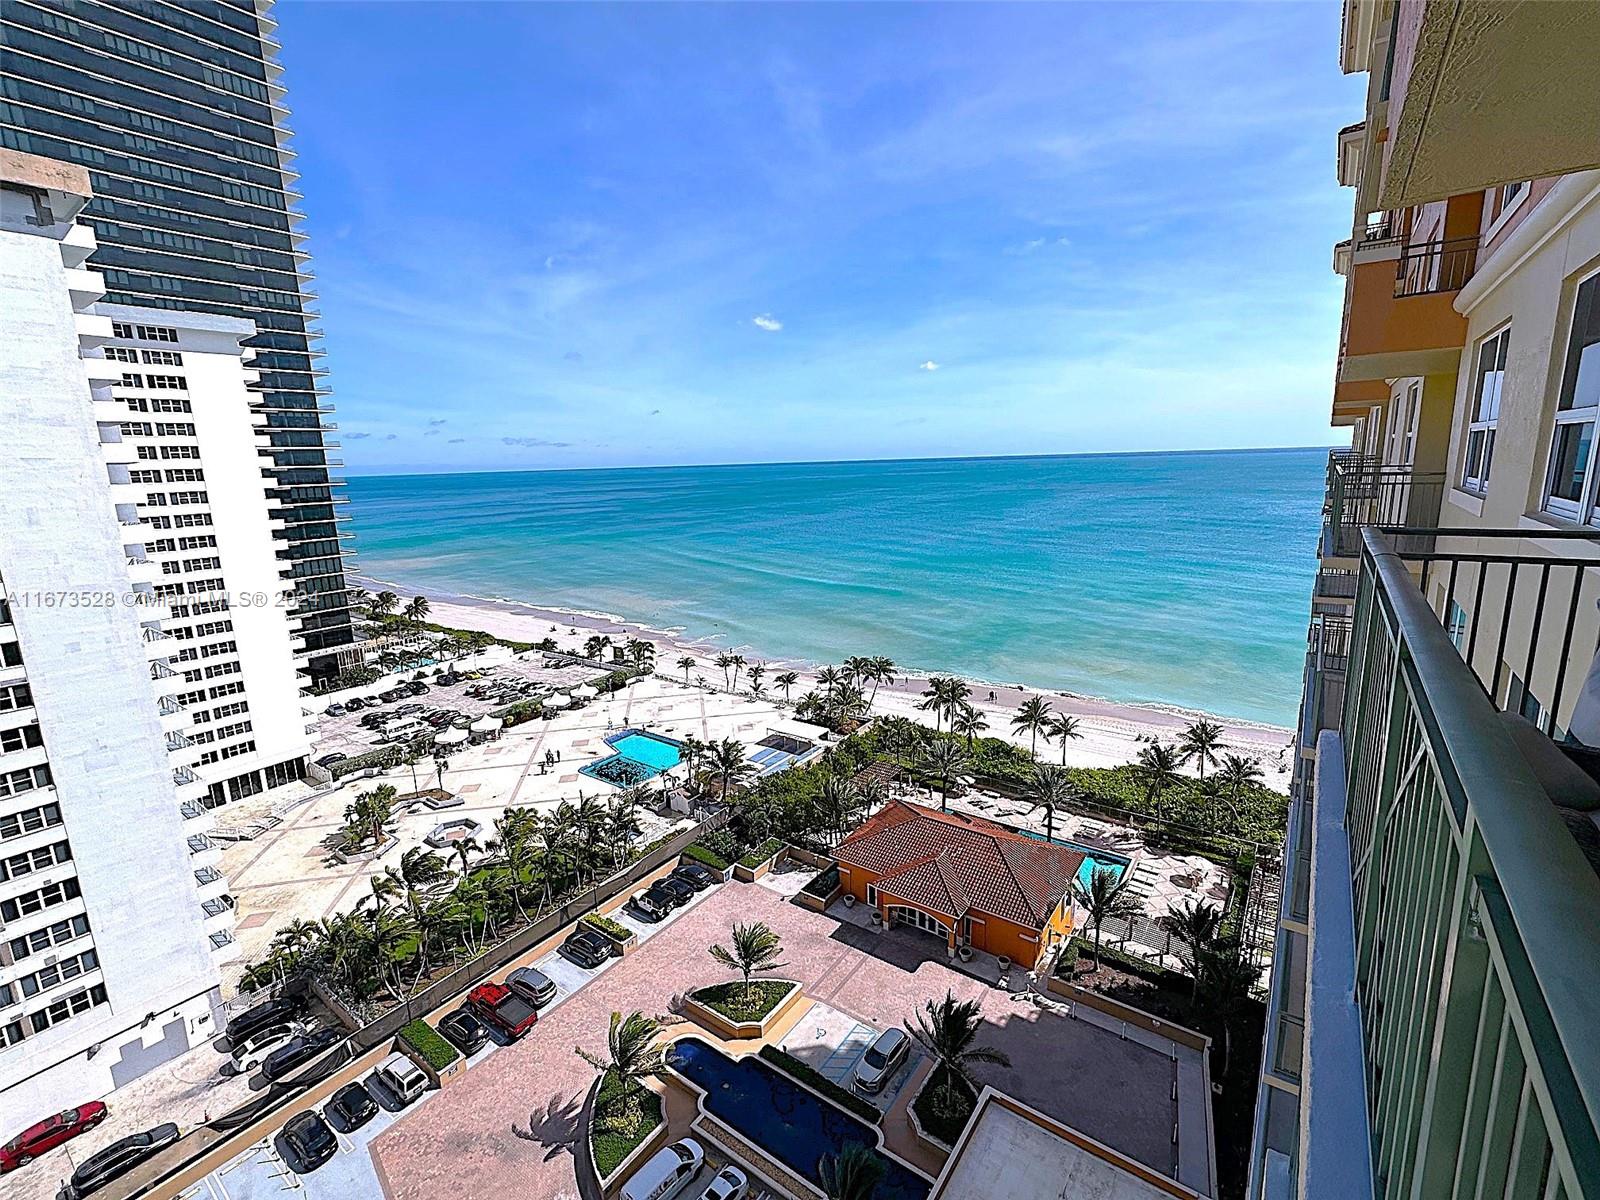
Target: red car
{"type": "Point", "coordinates": [497, 1005]}
{"type": "Point", "coordinates": [50, 1133]}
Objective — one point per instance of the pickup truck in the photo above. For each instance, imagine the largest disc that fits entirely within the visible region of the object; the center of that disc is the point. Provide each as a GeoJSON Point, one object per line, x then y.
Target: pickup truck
{"type": "Point", "coordinates": [499, 1006]}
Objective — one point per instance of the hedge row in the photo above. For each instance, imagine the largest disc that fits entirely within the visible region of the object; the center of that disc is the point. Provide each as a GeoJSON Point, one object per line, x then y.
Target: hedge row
{"type": "Point", "coordinates": [706, 857]}
{"type": "Point", "coordinates": [817, 1082]}
{"type": "Point", "coordinates": [761, 853]}
{"type": "Point", "coordinates": [612, 929]}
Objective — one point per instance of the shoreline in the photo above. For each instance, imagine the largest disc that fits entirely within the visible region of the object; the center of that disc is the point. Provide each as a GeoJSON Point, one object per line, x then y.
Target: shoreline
{"type": "Point", "coordinates": [1111, 726]}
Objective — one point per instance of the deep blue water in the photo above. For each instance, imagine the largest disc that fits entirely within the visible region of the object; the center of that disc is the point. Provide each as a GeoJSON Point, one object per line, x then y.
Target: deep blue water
{"type": "Point", "coordinates": [783, 1118]}
{"type": "Point", "coordinates": [1170, 578]}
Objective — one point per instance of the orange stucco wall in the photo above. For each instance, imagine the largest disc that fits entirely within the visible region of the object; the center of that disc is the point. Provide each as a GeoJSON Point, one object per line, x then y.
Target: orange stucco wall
{"type": "Point", "coordinates": [994, 935]}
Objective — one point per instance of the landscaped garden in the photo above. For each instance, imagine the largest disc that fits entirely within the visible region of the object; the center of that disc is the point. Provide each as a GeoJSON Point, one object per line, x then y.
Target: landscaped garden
{"type": "Point", "coordinates": [625, 1111]}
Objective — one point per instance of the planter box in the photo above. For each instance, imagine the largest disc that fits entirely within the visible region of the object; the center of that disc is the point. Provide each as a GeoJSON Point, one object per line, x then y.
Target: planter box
{"type": "Point", "coordinates": [620, 946]}
{"type": "Point", "coordinates": [654, 1140]}
{"type": "Point", "coordinates": [725, 874]}
{"type": "Point", "coordinates": [817, 903]}
{"type": "Point", "coordinates": [730, 1030]}
{"type": "Point", "coordinates": [746, 874]}
{"type": "Point", "coordinates": [441, 1079]}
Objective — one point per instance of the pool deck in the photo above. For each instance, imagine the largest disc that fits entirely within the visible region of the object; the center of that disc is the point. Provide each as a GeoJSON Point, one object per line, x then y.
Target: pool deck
{"type": "Point", "coordinates": [507, 1126]}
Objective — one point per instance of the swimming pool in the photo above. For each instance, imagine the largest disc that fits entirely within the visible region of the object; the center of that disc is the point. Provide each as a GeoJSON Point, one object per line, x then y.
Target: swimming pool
{"type": "Point", "coordinates": [1093, 860]}
{"type": "Point", "coordinates": [639, 756]}
{"type": "Point", "coordinates": [783, 1118]}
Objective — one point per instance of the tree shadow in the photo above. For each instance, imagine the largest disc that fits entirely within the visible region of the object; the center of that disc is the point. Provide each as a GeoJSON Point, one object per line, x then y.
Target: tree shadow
{"type": "Point", "coordinates": [555, 1126]}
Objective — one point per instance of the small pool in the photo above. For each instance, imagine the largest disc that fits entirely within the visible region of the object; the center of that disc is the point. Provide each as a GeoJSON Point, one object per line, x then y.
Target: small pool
{"type": "Point", "coordinates": [639, 756]}
{"type": "Point", "coordinates": [1093, 860]}
{"type": "Point", "coordinates": [783, 1118]}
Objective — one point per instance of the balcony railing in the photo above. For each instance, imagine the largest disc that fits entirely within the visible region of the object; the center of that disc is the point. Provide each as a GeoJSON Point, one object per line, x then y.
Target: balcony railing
{"type": "Point", "coordinates": [1362, 493]}
{"type": "Point", "coordinates": [1441, 266]}
{"type": "Point", "coordinates": [1477, 955]}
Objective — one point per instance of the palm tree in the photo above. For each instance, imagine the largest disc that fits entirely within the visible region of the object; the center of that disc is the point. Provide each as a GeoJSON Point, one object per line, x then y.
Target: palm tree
{"type": "Point", "coordinates": [1050, 789]}
{"type": "Point", "coordinates": [1199, 742]}
{"type": "Point", "coordinates": [1033, 716]}
{"type": "Point", "coordinates": [754, 947]}
{"type": "Point", "coordinates": [1158, 766]}
{"type": "Point", "coordinates": [384, 933]}
{"type": "Point", "coordinates": [944, 760]}
{"type": "Point", "coordinates": [882, 672]}
{"type": "Point", "coordinates": [633, 1054]}
{"type": "Point", "coordinates": [416, 611]}
{"type": "Point", "coordinates": [595, 644]}
{"type": "Point", "coordinates": [786, 681]}
{"type": "Point", "coordinates": [384, 603]}
{"type": "Point", "coordinates": [755, 671]}
{"type": "Point", "coordinates": [1227, 978]}
{"type": "Point", "coordinates": [1063, 728]}
{"type": "Point", "coordinates": [730, 764]}
{"type": "Point", "coordinates": [370, 812]}
{"type": "Point", "coordinates": [934, 698]}
{"type": "Point", "coordinates": [640, 652]}
{"type": "Point", "coordinates": [838, 800]}
{"type": "Point", "coordinates": [1238, 773]}
{"type": "Point", "coordinates": [969, 722]}
{"type": "Point", "coordinates": [686, 664]}
{"type": "Point", "coordinates": [724, 661]}
{"type": "Point", "coordinates": [852, 1174]}
{"type": "Point", "coordinates": [736, 662]}
{"type": "Point", "coordinates": [829, 678]}
{"type": "Point", "coordinates": [622, 827]}
{"type": "Point", "coordinates": [515, 832]}
{"type": "Point", "coordinates": [1194, 923]}
{"type": "Point", "coordinates": [1106, 900]}
{"type": "Point", "coordinates": [947, 1030]}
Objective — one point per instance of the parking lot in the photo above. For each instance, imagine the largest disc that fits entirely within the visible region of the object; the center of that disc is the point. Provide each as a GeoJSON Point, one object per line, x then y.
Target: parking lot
{"type": "Point", "coordinates": [832, 1043]}
{"type": "Point", "coordinates": [520, 678]}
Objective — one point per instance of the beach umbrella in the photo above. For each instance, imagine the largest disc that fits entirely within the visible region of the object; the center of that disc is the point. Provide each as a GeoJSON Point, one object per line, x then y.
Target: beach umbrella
{"type": "Point", "coordinates": [584, 692]}
{"type": "Point", "coordinates": [559, 700]}
{"type": "Point", "coordinates": [487, 725]}
{"type": "Point", "coordinates": [451, 737]}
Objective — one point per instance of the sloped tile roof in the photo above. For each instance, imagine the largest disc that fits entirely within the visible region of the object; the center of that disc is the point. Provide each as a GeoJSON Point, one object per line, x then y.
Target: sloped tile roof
{"type": "Point", "coordinates": [994, 869]}
{"type": "Point", "coordinates": [933, 883]}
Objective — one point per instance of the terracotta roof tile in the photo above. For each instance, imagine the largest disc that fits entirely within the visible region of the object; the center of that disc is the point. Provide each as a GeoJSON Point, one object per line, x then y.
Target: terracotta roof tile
{"type": "Point", "coordinates": [933, 883]}
{"type": "Point", "coordinates": [992, 868]}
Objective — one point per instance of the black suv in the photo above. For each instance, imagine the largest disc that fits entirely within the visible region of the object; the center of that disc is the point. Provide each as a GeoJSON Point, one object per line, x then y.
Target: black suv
{"type": "Point", "coordinates": [466, 1033]}
{"type": "Point", "coordinates": [353, 1105]}
{"type": "Point", "coordinates": [287, 1059]}
{"type": "Point", "coordinates": [311, 1139]}
{"type": "Point", "coordinates": [269, 1013]}
{"type": "Point", "coordinates": [118, 1159]}
{"type": "Point", "coordinates": [695, 876]}
{"type": "Point", "coordinates": [586, 948]}
{"type": "Point", "coordinates": [672, 891]}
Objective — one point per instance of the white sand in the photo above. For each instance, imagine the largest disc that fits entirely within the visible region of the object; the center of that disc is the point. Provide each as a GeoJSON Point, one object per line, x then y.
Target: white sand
{"type": "Point", "coordinates": [1112, 731]}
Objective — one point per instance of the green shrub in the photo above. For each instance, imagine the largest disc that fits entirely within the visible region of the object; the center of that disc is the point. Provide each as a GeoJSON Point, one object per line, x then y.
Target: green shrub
{"type": "Point", "coordinates": [706, 857]}
{"type": "Point", "coordinates": [616, 1132]}
{"type": "Point", "coordinates": [817, 1082]}
{"type": "Point", "coordinates": [612, 929]}
{"type": "Point", "coordinates": [732, 1000]}
{"type": "Point", "coordinates": [522, 710]}
{"type": "Point", "coordinates": [761, 853]}
{"type": "Point", "coordinates": [944, 1124]}
{"type": "Point", "coordinates": [429, 1043]}
{"type": "Point", "coordinates": [823, 883]}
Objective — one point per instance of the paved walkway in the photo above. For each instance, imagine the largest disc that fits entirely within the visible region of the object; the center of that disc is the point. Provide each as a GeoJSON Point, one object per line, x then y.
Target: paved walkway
{"type": "Point", "coordinates": [508, 1126]}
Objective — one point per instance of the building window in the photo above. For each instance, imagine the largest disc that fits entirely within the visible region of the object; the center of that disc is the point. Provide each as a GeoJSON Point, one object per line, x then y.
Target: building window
{"type": "Point", "coordinates": [1487, 382]}
{"type": "Point", "coordinates": [1570, 484]}
{"type": "Point", "coordinates": [1456, 626]}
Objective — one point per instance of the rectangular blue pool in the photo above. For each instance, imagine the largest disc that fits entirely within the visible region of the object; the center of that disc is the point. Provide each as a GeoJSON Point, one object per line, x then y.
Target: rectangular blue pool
{"type": "Point", "coordinates": [639, 756]}
{"type": "Point", "coordinates": [783, 1118]}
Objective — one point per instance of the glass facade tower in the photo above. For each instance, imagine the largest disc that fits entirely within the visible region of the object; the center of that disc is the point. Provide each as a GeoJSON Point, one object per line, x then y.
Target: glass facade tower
{"type": "Point", "coordinates": [175, 109]}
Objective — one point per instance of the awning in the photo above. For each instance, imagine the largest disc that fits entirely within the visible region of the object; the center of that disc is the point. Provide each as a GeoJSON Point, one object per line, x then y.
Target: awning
{"type": "Point", "coordinates": [584, 692]}
{"type": "Point", "coordinates": [558, 700]}
{"type": "Point", "coordinates": [487, 725]}
{"type": "Point", "coordinates": [451, 737]}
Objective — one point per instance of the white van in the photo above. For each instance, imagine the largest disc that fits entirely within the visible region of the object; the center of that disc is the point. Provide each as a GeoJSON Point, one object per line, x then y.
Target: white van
{"type": "Point", "coordinates": [402, 1077]}
{"type": "Point", "coordinates": [665, 1174]}
{"type": "Point", "coordinates": [403, 731]}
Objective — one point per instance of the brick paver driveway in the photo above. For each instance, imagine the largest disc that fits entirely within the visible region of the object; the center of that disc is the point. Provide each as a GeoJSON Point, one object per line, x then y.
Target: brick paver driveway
{"type": "Point", "coordinates": [508, 1127]}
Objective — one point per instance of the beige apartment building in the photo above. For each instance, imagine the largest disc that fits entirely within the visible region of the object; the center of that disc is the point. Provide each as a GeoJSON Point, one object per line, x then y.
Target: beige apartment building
{"type": "Point", "coordinates": [1435, 998]}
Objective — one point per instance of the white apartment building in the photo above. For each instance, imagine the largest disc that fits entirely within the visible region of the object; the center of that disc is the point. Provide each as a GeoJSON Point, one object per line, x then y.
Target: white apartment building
{"type": "Point", "coordinates": [194, 464]}
{"type": "Point", "coordinates": [107, 963]}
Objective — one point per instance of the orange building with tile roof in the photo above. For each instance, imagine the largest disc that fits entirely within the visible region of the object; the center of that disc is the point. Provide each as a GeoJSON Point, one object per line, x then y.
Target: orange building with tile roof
{"type": "Point", "coordinates": [968, 880]}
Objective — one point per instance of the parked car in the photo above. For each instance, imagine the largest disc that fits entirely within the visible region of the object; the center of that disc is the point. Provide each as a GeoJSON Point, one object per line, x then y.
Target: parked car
{"type": "Point", "coordinates": [286, 1060]}
{"type": "Point", "coordinates": [670, 894]}
{"type": "Point", "coordinates": [730, 1184]}
{"type": "Point", "coordinates": [353, 1105]}
{"type": "Point", "coordinates": [404, 1079]}
{"type": "Point", "coordinates": [533, 984]}
{"type": "Point", "coordinates": [406, 710]}
{"type": "Point", "coordinates": [327, 760]}
{"type": "Point", "coordinates": [666, 1173]}
{"type": "Point", "coordinates": [695, 876]}
{"type": "Point", "coordinates": [334, 710]}
{"type": "Point", "coordinates": [50, 1133]}
{"type": "Point", "coordinates": [393, 694]}
{"type": "Point", "coordinates": [882, 1060]}
{"type": "Point", "coordinates": [117, 1159]}
{"type": "Point", "coordinates": [464, 1031]}
{"type": "Point", "coordinates": [355, 704]}
{"type": "Point", "coordinates": [502, 1008]}
{"type": "Point", "coordinates": [586, 948]}
{"type": "Point", "coordinates": [310, 1138]}
{"type": "Point", "coordinates": [280, 1010]}
{"type": "Point", "coordinates": [254, 1051]}
{"type": "Point", "coordinates": [440, 719]}
{"type": "Point", "coordinates": [648, 906]}
{"type": "Point", "coordinates": [447, 680]}
{"type": "Point", "coordinates": [418, 688]}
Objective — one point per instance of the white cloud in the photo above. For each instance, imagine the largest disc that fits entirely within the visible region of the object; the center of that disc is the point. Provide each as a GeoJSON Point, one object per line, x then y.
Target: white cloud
{"type": "Point", "coordinates": [930, 365]}
{"type": "Point", "coordinates": [768, 322]}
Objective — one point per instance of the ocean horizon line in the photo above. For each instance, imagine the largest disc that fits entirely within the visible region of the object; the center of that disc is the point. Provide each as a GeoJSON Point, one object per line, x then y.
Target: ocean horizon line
{"type": "Point", "coordinates": [835, 462]}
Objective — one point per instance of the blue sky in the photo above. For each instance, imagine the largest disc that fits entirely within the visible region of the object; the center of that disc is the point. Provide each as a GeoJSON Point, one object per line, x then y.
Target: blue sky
{"type": "Point", "coordinates": [582, 235]}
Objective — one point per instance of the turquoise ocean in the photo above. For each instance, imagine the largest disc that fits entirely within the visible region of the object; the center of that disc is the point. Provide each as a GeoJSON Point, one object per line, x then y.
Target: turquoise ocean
{"type": "Point", "coordinates": [1178, 579]}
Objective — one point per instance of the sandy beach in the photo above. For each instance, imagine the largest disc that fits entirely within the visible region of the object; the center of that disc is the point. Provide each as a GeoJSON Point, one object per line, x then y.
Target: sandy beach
{"type": "Point", "coordinates": [1113, 731]}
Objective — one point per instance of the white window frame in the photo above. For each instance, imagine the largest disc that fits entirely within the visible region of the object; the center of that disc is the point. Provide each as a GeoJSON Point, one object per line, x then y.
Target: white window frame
{"type": "Point", "coordinates": [1508, 205]}
{"type": "Point", "coordinates": [1479, 425]}
{"type": "Point", "coordinates": [1586, 508]}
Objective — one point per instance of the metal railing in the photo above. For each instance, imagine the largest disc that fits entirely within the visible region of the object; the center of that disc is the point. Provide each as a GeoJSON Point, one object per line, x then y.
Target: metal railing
{"type": "Point", "coordinates": [1439, 266]}
{"type": "Point", "coordinates": [1477, 955]}
{"type": "Point", "coordinates": [1362, 492]}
